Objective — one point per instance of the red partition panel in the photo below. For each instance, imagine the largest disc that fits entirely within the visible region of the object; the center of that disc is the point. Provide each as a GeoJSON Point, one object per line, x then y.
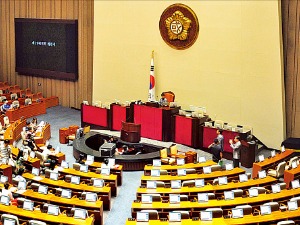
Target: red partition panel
{"type": "Point", "coordinates": [94, 115]}
{"type": "Point", "coordinates": [183, 130]}
{"type": "Point", "coordinates": [118, 115]}
{"type": "Point", "coordinates": [227, 136]}
{"type": "Point", "coordinates": [150, 119]}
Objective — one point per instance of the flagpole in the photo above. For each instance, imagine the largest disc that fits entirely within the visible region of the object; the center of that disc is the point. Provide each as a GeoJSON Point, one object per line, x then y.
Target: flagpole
{"type": "Point", "coordinates": [151, 95]}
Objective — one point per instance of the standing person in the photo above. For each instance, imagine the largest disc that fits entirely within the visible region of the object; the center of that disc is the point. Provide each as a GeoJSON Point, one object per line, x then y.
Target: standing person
{"type": "Point", "coordinates": [216, 150]}
{"type": "Point", "coordinates": [220, 138]}
{"type": "Point", "coordinates": [6, 152]}
{"type": "Point", "coordinates": [236, 147]}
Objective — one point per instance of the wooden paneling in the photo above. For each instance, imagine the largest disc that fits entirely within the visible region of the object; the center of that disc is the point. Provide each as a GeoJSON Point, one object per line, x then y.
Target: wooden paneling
{"type": "Point", "coordinates": [291, 43]}
{"type": "Point", "coordinates": [70, 94]}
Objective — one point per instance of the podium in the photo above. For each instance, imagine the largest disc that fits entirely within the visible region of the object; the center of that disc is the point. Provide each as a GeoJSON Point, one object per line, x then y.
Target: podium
{"type": "Point", "coordinates": [248, 153]}
{"type": "Point", "coordinates": [131, 132]}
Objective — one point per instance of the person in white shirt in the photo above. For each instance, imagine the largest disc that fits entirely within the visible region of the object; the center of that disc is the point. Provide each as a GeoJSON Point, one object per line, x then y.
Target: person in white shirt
{"type": "Point", "coordinates": [236, 150]}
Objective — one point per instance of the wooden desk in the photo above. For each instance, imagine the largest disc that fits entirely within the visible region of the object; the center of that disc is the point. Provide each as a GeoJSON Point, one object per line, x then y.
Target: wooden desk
{"type": "Point", "coordinates": [167, 178]}
{"type": "Point", "coordinates": [196, 207]}
{"type": "Point", "coordinates": [31, 162]}
{"type": "Point", "coordinates": [97, 206]}
{"type": "Point", "coordinates": [192, 191]}
{"type": "Point", "coordinates": [13, 132]}
{"type": "Point", "coordinates": [171, 168]}
{"type": "Point", "coordinates": [290, 175]}
{"type": "Point", "coordinates": [116, 170]}
{"type": "Point", "coordinates": [155, 122]}
{"type": "Point", "coordinates": [94, 116]}
{"type": "Point", "coordinates": [248, 219]}
{"type": "Point", "coordinates": [111, 179]}
{"type": "Point", "coordinates": [28, 111]}
{"type": "Point", "coordinates": [38, 215]}
{"type": "Point", "coordinates": [270, 162]}
{"type": "Point", "coordinates": [104, 192]}
{"type": "Point", "coordinates": [44, 135]}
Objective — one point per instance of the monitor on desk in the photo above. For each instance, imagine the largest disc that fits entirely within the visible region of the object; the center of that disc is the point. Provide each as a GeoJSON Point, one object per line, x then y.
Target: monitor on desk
{"type": "Point", "coordinates": [142, 216]}
{"type": "Point", "coordinates": [243, 177]}
{"type": "Point", "coordinates": [228, 195]}
{"type": "Point", "coordinates": [105, 171]}
{"type": "Point", "coordinates": [4, 199]}
{"type": "Point", "coordinates": [35, 171]}
{"type": "Point", "coordinates": [156, 162]}
{"type": "Point", "coordinates": [199, 183]}
{"type": "Point", "coordinates": [206, 169]}
{"type": "Point", "coordinates": [22, 185]}
{"type": "Point", "coordinates": [98, 182]}
{"type": "Point", "coordinates": [237, 213]}
{"type": "Point", "coordinates": [294, 165]}
{"type": "Point", "coordinates": [222, 180]}
{"type": "Point", "coordinates": [218, 126]}
{"type": "Point", "coordinates": [84, 168]}
{"type": "Point", "coordinates": [181, 172]}
{"type": "Point", "coordinates": [202, 197]}
{"type": "Point", "coordinates": [89, 159]}
{"type": "Point", "coordinates": [201, 159]}
{"type": "Point", "coordinates": [174, 216]}
{"type": "Point", "coordinates": [262, 174]}
{"type": "Point", "coordinates": [265, 210]}
{"type": "Point", "coordinates": [28, 205]}
{"type": "Point", "coordinates": [43, 189]}
{"type": "Point", "coordinates": [53, 176]}
{"type": "Point", "coordinates": [146, 198]}
{"type": "Point", "coordinates": [206, 215]}
{"type": "Point", "coordinates": [75, 179]}
{"type": "Point", "coordinates": [155, 173]}
{"type": "Point", "coordinates": [292, 205]}
{"type": "Point", "coordinates": [273, 153]}
{"type": "Point", "coordinates": [8, 221]}
{"type": "Point", "coordinates": [53, 210]}
{"type": "Point", "coordinates": [295, 184]}
{"type": "Point", "coordinates": [151, 184]}
{"type": "Point", "coordinates": [91, 197]}
{"type": "Point", "coordinates": [64, 164]}
{"type": "Point", "coordinates": [208, 124]}
{"type": "Point", "coordinates": [111, 162]}
{"type": "Point", "coordinates": [66, 193]}
{"type": "Point", "coordinates": [175, 184]}
{"type": "Point", "coordinates": [253, 192]}
{"type": "Point", "coordinates": [3, 179]}
{"type": "Point", "coordinates": [80, 214]}
{"type": "Point", "coordinates": [180, 161]}
{"type": "Point", "coordinates": [228, 166]}
{"type": "Point", "coordinates": [261, 158]}
{"type": "Point", "coordinates": [275, 188]}
{"type": "Point", "coordinates": [174, 198]}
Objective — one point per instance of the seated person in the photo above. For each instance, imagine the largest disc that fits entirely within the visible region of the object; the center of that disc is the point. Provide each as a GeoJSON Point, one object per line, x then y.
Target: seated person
{"type": "Point", "coordinates": [48, 151]}
{"type": "Point", "coordinates": [163, 101]}
{"type": "Point", "coordinates": [19, 163]}
{"type": "Point", "coordinates": [33, 123]}
{"type": "Point", "coordinates": [7, 191]}
{"type": "Point", "coordinates": [30, 142]}
{"type": "Point", "coordinates": [5, 107]}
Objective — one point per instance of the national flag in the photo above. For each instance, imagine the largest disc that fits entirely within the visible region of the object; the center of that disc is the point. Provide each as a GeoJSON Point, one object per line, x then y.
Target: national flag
{"type": "Point", "coordinates": [151, 95]}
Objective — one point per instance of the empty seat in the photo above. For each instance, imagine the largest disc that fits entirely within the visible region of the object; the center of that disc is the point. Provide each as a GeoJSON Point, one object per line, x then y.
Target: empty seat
{"type": "Point", "coordinates": [184, 214]}
{"type": "Point", "coordinates": [160, 184]}
{"type": "Point", "coordinates": [156, 197]}
{"type": "Point", "coordinates": [190, 171]}
{"type": "Point", "coordinates": [286, 222]}
{"type": "Point", "coordinates": [211, 196]}
{"type": "Point", "coordinates": [215, 168]}
{"type": "Point", "coordinates": [36, 222]}
{"type": "Point", "coordinates": [238, 193]}
{"type": "Point", "coordinates": [13, 96]}
{"type": "Point", "coordinates": [261, 190]}
{"type": "Point", "coordinates": [68, 178]}
{"type": "Point", "coordinates": [28, 101]}
{"type": "Point", "coordinates": [247, 209]}
{"type": "Point", "coordinates": [9, 218]}
{"type": "Point", "coordinates": [76, 166]}
{"type": "Point", "coordinates": [217, 212]}
{"type": "Point", "coordinates": [35, 186]}
{"type": "Point", "coordinates": [188, 183]}
{"type": "Point", "coordinates": [274, 206]}
{"type": "Point", "coordinates": [279, 171]}
{"type": "Point", "coordinates": [184, 198]}
{"type": "Point", "coordinates": [47, 172]}
{"type": "Point", "coordinates": [153, 214]}
{"type": "Point", "coordinates": [20, 201]}
{"type": "Point", "coordinates": [282, 186]}
{"type": "Point", "coordinates": [289, 164]}
{"type": "Point", "coordinates": [163, 172]}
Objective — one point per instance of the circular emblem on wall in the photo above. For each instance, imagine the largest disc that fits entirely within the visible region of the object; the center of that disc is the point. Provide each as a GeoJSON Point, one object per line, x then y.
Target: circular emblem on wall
{"type": "Point", "coordinates": [179, 26]}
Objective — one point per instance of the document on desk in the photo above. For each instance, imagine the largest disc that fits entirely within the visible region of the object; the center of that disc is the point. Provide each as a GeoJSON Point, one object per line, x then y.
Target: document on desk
{"type": "Point", "coordinates": [20, 191]}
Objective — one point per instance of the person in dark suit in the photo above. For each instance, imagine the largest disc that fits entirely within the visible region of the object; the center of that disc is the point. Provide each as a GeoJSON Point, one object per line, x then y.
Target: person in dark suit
{"type": "Point", "coordinates": [216, 150]}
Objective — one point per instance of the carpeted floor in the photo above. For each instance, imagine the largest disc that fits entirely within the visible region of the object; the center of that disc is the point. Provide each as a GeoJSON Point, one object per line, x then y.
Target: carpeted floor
{"type": "Point", "coordinates": [59, 117]}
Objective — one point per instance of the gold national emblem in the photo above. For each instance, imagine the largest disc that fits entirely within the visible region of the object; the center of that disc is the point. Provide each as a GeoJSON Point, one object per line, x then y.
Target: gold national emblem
{"type": "Point", "coordinates": [178, 26]}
